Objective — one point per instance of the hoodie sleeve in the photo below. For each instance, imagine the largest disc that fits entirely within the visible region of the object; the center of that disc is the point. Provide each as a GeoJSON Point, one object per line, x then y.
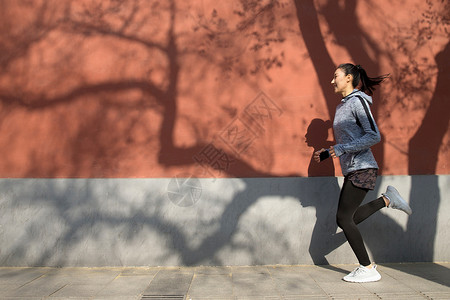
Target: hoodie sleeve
{"type": "Point", "coordinates": [370, 134]}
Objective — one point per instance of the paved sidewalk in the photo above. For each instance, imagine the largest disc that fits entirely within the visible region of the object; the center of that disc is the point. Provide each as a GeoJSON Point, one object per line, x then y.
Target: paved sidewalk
{"type": "Point", "coordinates": [399, 281]}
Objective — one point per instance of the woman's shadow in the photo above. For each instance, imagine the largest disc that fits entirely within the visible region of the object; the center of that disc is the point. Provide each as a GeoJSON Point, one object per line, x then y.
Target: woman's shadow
{"type": "Point", "coordinates": [324, 237]}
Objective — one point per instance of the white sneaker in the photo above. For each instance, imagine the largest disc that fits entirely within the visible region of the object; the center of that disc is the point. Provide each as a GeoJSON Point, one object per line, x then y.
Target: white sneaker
{"type": "Point", "coordinates": [363, 274]}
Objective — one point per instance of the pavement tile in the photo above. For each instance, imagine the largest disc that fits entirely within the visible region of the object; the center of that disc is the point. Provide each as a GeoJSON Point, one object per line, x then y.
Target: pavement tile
{"type": "Point", "coordinates": [119, 298]}
{"type": "Point", "coordinates": [254, 287]}
{"type": "Point", "coordinates": [192, 297]}
{"type": "Point", "coordinates": [80, 290]}
{"type": "Point", "coordinates": [295, 281]}
{"type": "Point", "coordinates": [258, 297]}
{"type": "Point", "coordinates": [402, 296]}
{"type": "Point", "coordinates": [42, 286]}
{"type": "Point", "coordinates": [4, 288]}
{"type": "Point", "coordinates": [81, 276]}
{"type": "Point", "coordinates": [437, 295]}
{"type": "Point", "coordinates": [259, 284]}
{"type": "Point", "coordinates": [354, 297]}
{"type": "Point", "coordinates": [388, 284]}
{"type": "Point", "coordinates": [65, 298]}
{"type": "Point", "coordinates": [330, 273]}
{"type": "Point", "coordinates": [139, 271]}
{"type": "Point", "coordinates": [163, 297]}
{"type": "Point", "coordinates": [34, 290]}
{"type": "Point", "coordinates": [338, 289]}
{"type": "Point", "coordinates": [306, 297]}
{"type": "Point", "coordinates": [19, 298]}
{"type": "Point", "coordinates": [174, 281]}
{"type": "Point", "coordinates": [211, 285]}
{"type": "Point", "coordinates": [126, 286]}
{"type": "Point", "coordinates": [116, 298]}
{"type": "Point", "coordinates": [21, 276]}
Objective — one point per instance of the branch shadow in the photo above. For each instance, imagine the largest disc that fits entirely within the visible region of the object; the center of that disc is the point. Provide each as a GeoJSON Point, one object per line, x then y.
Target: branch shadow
{"type": "Point", "coordinates": [163, 99]}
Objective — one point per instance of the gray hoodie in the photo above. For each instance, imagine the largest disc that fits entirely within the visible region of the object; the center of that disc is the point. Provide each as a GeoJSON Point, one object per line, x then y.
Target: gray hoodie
{"type": "Point", "coordinates": [355, 132]}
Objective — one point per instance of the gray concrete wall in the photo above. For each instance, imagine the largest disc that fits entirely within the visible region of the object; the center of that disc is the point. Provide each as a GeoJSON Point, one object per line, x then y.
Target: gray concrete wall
{"type": "Point", "coordinates": [165, 222]}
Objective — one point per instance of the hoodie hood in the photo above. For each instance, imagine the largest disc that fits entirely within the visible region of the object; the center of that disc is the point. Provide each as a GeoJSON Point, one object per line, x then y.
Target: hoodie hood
{"type": "Point", "coordinates": [359, 93]}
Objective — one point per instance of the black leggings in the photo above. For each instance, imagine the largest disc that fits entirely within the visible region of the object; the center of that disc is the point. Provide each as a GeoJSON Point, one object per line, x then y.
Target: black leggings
{"type": "Point", "coordinates": [350, 213]}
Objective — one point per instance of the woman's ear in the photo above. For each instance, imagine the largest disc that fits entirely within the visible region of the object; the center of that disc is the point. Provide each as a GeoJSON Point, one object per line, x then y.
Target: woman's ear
{"type": "Point", "coordinates": [349, 78]}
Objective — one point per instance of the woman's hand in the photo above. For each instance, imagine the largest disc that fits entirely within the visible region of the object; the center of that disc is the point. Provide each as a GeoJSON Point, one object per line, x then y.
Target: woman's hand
{"type": "Point", "coordinates": [332, 153]}
{"type": "Point", "coordinates": [317, 154]}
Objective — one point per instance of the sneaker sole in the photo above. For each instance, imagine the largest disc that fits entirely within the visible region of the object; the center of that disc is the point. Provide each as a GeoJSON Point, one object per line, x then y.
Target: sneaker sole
{"type": "Point", "coordinates": [370, 279]}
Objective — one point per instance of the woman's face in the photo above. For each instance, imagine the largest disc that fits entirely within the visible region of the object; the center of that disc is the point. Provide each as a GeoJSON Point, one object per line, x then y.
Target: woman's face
{"type": "Point", "coordinates": [341, 82]}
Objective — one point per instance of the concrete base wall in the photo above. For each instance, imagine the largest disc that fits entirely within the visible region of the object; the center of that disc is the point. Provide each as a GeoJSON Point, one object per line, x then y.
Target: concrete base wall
{"type": "Point", "coordinates": [242, 221]}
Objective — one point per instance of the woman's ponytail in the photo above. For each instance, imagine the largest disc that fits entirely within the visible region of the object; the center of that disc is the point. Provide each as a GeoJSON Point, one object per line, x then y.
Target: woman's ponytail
{"type": "Point", "coordinates": [361, 80]}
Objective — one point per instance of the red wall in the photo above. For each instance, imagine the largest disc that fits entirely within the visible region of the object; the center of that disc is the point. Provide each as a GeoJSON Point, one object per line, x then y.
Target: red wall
{"type": "Point", "coordinates": [214, 89]}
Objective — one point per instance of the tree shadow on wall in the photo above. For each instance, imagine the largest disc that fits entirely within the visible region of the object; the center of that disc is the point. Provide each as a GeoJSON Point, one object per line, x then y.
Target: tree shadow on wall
{"type": "Point", "coordinates": [97, 148]}
{"type": "Point", "coordinates": [164, 99]}
{"type": "Point", "coordinates": [425, 145]}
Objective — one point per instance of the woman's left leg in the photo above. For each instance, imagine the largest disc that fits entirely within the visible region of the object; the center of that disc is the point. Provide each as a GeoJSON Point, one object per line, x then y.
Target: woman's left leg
{"type": "Point", "coordinates": [368, 209]}
{"type": "Point", "coordinates": [350, 199]}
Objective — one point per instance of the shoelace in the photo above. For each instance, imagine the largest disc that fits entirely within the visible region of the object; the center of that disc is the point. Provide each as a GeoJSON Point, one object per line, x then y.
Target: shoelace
{"type": "Point", "coordinates": [357, 271]}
